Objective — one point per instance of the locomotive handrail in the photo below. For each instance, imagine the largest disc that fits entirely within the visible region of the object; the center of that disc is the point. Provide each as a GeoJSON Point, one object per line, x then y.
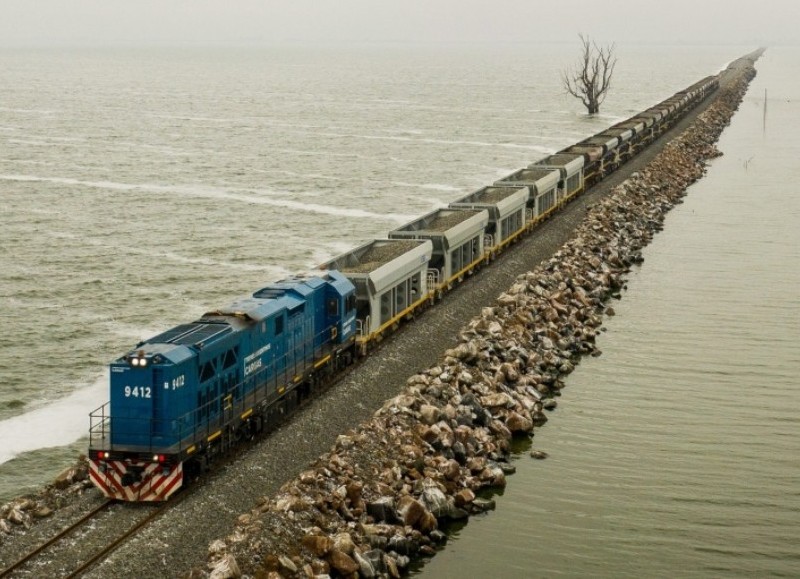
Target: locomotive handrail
{"type": "Point", "coordinates": [204, 421]}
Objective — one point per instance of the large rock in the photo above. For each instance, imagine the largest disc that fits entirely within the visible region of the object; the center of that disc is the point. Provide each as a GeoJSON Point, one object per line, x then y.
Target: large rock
{"type": "Point", "coordinates": [343, 563]}
{"type": "Point", "coordinates": [65, 478]}
{"type": "Point", "coordinates": [411, 510]}
{"type": "Point", "coordinates": [287, 564]}
{"type": "Point", "coordinates": [225, 568]}
{"type": "Point", "coordinates": [429, 414]}
{"type": "Point", "coordinates": [435, 501]}
{"type": "Point", "coordinates": [464, 497]}
{"type": "Point", "coordinates": [217, 547]}
{"type": "Point", "coordinates": [383, 510]}
{"type": "Point", "coordinates": [370, 563]}
{"type": "Point", "coordinates": [517, 423]}
{"type": "Point", "coordinates": [497, 400]}
{"type": "Point", "coordinates": [19, 517]}
{"type": "Point", "coordinates": [292, 504]}
{"type": "Point", "coordinates": [402, 545]}
{"type": "Point", "coordinates": [451, 469]}
{"type": "Point", "coordinates": [319, 545]}
{"type": "Point", "coordinates": [344, 542]}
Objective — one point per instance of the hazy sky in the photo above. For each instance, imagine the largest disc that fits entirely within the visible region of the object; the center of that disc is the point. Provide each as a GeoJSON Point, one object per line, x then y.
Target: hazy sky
{"type": "Point", "coordinates": [93, 22]}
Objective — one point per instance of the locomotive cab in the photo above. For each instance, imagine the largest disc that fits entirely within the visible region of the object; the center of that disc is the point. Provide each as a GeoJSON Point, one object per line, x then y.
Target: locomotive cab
{"type": "Point", "coordinates": [136, 454]}
{"type": "Point", "coordinates": [340, 308]}
{"type": "Point", "coordinates": [185, 396]}
{"type": "Point", "coordinates": [144, 387]}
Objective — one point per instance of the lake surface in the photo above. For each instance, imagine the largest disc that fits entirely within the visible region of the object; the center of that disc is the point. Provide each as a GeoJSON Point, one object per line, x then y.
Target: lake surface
{"type": "Point", "coordinates": [140, 188]}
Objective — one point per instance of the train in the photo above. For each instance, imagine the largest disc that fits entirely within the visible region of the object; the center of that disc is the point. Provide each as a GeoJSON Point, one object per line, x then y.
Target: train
{"type": "Point", "coordinates": [184, 399]}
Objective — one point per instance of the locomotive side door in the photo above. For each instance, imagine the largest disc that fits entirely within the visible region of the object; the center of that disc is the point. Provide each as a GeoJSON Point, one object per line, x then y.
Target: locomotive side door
{"type": "Point", "coordinates": [160, 427]}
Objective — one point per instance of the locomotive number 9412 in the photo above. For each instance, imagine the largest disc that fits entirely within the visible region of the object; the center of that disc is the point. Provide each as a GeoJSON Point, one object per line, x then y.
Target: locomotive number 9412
{"type": "Point", "coordinates": [137, 392]}
{"type": "Point", "coordinates": [176, 382]}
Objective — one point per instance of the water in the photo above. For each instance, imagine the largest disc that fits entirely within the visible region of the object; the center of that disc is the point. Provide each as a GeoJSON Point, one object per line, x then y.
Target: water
{"type": "Point", "coordinates": [141, 188]}
{"type": "Point", "coordinates": [675, 453]}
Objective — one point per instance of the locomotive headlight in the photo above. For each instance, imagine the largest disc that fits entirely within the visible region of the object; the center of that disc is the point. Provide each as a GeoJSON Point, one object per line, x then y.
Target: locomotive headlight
{"type": "Point", "coordinates": [138, 361]}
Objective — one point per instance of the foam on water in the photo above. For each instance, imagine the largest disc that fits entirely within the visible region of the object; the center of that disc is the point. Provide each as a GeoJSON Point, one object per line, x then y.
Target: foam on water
{"type": "Point", "coordinates": [55, 424]}
{"type": "Point", "coordinates": [428, 186]}
{"type": "Point", "coordinates": [214, 193]}
{"type": "Point", "coordinates": [26, 111]}
{"type": "Point", "coordinates": [334, 211]}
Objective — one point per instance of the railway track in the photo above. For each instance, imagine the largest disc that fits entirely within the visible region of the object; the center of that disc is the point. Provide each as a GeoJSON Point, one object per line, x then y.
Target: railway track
{"type": "Point", "coordinates": [22, 567]}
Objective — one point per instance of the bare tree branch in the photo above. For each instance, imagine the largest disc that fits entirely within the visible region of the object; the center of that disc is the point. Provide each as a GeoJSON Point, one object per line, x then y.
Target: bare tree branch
{"type": "Point", "coordinates": [590, 80]}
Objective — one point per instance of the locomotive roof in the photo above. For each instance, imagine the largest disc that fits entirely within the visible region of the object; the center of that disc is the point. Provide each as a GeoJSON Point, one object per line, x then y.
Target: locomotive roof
{"type": "Point", "coordinates": [286, 294]}
{"type": "Point", "coordinates": [175, 343]}
{"type": "Point", "coordinates": [194, 334]}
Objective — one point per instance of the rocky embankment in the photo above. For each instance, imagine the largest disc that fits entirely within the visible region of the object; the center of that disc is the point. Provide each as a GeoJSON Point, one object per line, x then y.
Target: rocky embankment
{"type": "Point", "coordinates": [22, 513]}
{"type": "Point", "coordinates": [376, 500]}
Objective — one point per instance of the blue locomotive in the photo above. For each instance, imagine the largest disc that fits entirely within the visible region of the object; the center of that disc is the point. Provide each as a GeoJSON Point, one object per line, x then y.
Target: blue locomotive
{"type": "Point", "coordinates": [183, 397]}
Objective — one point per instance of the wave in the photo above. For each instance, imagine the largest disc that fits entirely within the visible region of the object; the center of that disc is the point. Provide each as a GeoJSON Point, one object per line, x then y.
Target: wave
{"type": "Point", "coordinates": [55, 424]}
{"type": "Point", "coordinates": [428, 186]}
{"type": "Point", "coordinates": [328, 251]}
{"type": "Point", "coordinates": [336, 211]}
{"type": "Point", "coordinates": [408, 139]}
{"type": "Point", "coordinates": [326, 153]}
{"type": "Point", "coordinates": [33, 142]}
{"type": "Point", "coordinates": [301, 175]}
{"type": "Point", "coordinates": [19, 110]}
{"type": "Point", "coordinates": [272, 270]}
{"type": "Point", "coordinates": [249, 196]}
{"type": "Point", "coordinates": [25, 161]}
{"type": "Point", "coordinates": [200, 119]}
{"type": "Point", "coordinates": [70, 181]}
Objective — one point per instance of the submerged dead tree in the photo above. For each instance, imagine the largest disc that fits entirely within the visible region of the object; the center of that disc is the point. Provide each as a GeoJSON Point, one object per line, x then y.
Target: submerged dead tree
{"type": "Point", "coordinates": [590, 80]}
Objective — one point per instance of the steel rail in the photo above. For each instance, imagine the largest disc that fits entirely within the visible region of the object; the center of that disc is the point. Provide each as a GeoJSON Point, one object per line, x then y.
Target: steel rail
{"type": "Point", "coordinates": [55, 539]}
{"type": "Point", "coordinates": [113, 545]}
